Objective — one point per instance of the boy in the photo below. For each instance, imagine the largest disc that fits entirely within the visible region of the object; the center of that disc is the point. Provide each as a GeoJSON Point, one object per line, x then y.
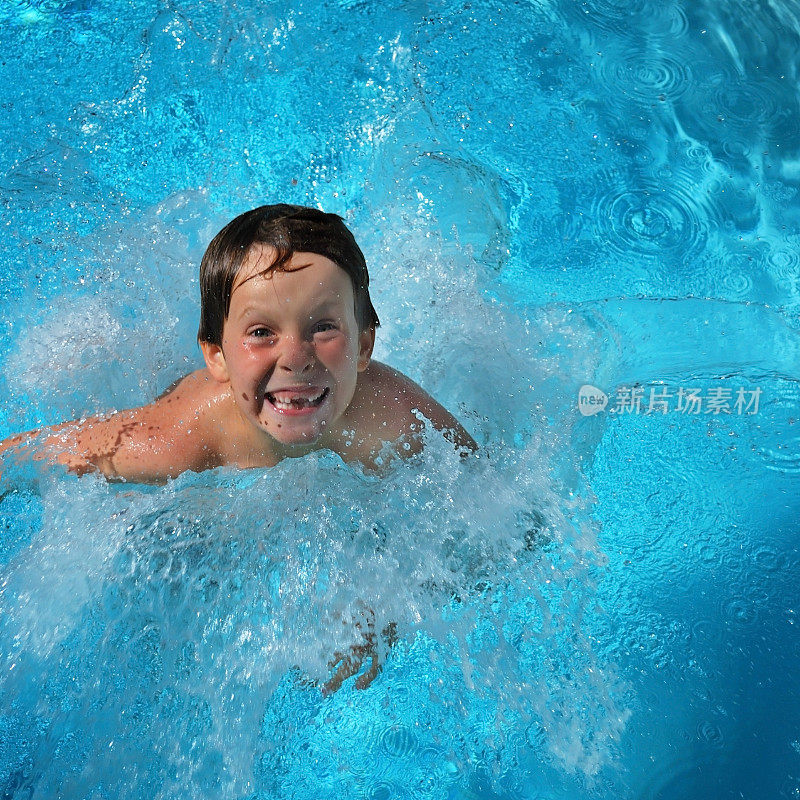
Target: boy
{"type": "Point", "coordinates": [287, 329]}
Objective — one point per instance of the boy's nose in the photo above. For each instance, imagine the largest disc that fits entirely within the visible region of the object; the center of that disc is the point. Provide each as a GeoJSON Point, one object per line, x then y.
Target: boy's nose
{"type": "Point", "coordinates": [297, 355]}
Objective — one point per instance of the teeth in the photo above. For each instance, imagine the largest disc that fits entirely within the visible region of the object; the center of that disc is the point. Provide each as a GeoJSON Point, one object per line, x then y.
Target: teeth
{"type": "Point", "coordinates": [285, 403]}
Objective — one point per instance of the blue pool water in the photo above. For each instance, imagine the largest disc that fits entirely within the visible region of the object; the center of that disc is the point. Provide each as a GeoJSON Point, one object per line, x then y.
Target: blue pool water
{"type": "Point", "coordinates": [550, 195]}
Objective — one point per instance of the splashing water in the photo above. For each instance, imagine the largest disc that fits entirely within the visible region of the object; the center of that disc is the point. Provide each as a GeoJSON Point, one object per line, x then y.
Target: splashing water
{"type": "Point", "coordinates": [548, 193]}
{"type": "Point", "coordinates": [186, 630]}
{"type": "Point", "coordinates": [158, 625]}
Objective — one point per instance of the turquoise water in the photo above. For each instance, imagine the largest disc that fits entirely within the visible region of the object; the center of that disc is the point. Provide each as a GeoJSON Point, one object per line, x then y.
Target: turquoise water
{"type": "Point", "coordinates": [549, 195]}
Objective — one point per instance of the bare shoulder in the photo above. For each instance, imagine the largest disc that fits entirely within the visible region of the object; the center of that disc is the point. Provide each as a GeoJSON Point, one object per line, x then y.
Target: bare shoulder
{"type": "Point", "coordinates": [150, 443]}
{"type": "Point", "coordinates": [175, 433]}
{"type": "Point", "coordinates": [393, 402]}
{"type": "Point", "coordinates": [194, 396]}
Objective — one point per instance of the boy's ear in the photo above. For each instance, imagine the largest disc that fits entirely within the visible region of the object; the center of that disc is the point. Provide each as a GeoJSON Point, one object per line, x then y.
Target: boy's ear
{"type": "Point", "coordinates": [366, 341]}
{"type": "Point", "coordinates": [215, 361]}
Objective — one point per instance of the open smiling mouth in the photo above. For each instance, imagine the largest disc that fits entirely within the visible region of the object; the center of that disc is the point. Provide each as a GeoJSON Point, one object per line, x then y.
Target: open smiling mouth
{"type": "Point", "coordinates": [294, 402]}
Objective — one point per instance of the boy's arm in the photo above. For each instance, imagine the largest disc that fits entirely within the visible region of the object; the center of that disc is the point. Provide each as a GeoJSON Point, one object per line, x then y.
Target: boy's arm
{"type": "Point", "coordinates": [395, 404]}
{"type": "Point", "coordinates": [147, 444]}
{"type": "Point", "coordinates": [443, 421]}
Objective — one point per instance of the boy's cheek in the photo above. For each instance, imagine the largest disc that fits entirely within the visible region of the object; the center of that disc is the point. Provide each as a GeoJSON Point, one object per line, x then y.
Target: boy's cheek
{"type": "Point", "coordinates": [243, 355]}
{"type": "Point", "coordinates": [335, 350]}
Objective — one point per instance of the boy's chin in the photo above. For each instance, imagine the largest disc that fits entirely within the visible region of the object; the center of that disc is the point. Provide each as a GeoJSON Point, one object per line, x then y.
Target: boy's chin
{"type": "Point", "coordinates": [297, 439]}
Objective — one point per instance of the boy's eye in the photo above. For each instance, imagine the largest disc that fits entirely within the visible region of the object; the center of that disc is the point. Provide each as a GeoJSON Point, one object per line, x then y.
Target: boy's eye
{"type": "Point", "coordinates": [261, 332]}
{"type": "Point", "coordinates": [324, 327]}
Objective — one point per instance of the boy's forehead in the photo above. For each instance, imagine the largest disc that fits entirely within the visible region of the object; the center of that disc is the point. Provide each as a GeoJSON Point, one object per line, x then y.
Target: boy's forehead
{"type": "Point", "coordinates": [318, 274]}
{"type": "Point", "coordinates": [260, 258]}
{"type": "Point", "coordinates": [257, 261]}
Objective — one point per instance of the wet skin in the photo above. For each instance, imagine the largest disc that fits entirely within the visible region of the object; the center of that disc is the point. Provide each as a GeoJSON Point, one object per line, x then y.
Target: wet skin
{"type": "Point", "coordinates": [291, 352]}
{"type": "Point", "coordinates": [293, 374]}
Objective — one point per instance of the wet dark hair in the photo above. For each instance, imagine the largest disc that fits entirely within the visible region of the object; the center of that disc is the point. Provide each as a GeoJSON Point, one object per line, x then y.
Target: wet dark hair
{"type": "Point", "coordinates": [289, 230]}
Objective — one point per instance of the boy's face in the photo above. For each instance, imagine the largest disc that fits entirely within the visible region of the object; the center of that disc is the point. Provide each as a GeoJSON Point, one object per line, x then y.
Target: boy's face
{"type": "Point", "coordinates": [291, 349]}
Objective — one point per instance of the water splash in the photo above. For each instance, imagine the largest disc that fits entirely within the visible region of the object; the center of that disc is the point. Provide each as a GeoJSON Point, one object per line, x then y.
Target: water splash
{"type": "Point", "coordinates": [182, 611]}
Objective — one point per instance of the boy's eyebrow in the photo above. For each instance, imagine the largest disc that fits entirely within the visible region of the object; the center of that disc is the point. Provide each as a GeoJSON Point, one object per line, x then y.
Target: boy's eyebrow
{"type": "Point", "coordinates": [246, 310]}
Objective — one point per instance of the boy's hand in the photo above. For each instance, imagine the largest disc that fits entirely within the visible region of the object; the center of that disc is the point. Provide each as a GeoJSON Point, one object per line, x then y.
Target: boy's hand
{"type": "Point", "coordinates": [352, 661]}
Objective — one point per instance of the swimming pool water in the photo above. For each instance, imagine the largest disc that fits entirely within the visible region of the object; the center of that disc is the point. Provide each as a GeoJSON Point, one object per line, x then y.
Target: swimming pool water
{"type": "Point", "coordinates": [549, 195]}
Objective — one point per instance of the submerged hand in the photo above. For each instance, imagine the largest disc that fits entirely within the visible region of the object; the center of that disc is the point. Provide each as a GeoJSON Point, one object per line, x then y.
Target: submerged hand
{"type": "Point", "coordinates": [351, 661]}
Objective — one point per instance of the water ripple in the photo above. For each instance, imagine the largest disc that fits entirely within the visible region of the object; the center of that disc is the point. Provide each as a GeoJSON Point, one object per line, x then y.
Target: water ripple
{"type": "Point", "coordinates": [726, 275]}
{"type": "Point", "coordinates": [706, 633]}
{"type": "Point", "coordinates": [610, 16]}
{"type": "Point", "coordinates": [645, 77]}
{"type": "Point", "coordinates": [741, 105]}
{"type": "Point", "coordinates": [678, 21]}
{"type": "Point", "coordinates": [736, 285]}
{"type": "Point", "coordinates": [700, 157]}
{"type": "Point", "coordinates": [737, 116]}
{"type": "Point", "coordinates": [783, 457]}
{"type": "Point", "coordinates": [615, 16]}
{"type": "Point", "coordinates": [399, 741]}
{"type": "Point", "coordinates": [784, 263]}
{"type": "Point", "coordinates": [780, 447]}
{"type": "Point", "coordinates": [712, 734]}
{"type": "Point", "coordinates": [651, 221]}
{"type": "Point", "coordinates": [768, 559]}
{"type": "Point", "coordinates": [740, 611]}
{"type": "Point", "coordinates": [737, 149]}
